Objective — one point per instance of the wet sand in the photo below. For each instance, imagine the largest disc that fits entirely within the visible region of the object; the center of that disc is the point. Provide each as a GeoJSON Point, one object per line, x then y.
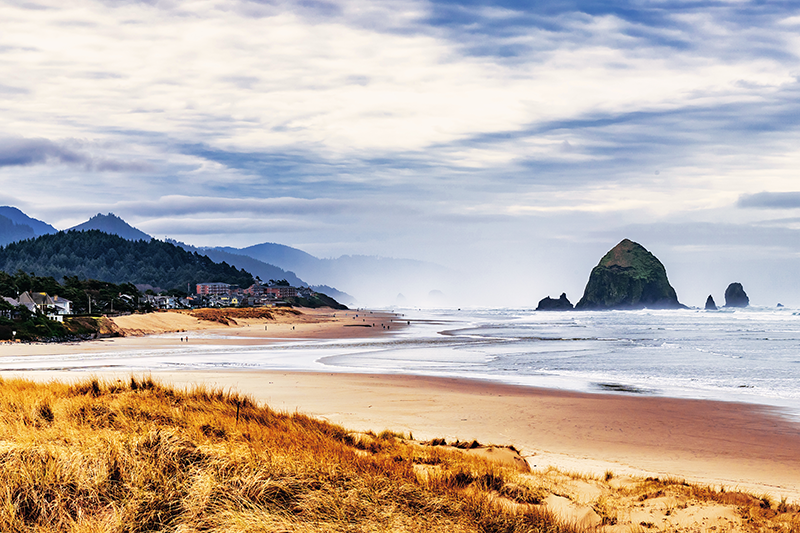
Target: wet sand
{"type": "Point", "coordinates": [717, 443]}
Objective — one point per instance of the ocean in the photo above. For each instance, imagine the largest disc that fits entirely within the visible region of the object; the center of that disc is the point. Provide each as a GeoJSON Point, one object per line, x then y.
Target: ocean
{"type": "Point", "coordinates": [748, 355]}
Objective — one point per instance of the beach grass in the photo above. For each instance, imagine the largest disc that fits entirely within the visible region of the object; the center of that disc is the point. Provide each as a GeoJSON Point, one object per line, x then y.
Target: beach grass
{"type": "Point", "coordinates": [138, 456]}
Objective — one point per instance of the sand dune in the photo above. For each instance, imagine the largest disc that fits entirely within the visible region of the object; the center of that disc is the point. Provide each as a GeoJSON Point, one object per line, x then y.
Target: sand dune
{"type": "Point", "coordinates": [738, 446]}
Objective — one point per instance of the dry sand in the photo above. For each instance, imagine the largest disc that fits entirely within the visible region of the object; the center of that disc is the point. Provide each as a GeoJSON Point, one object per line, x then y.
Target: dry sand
{"type": "Point", "coordinates": [715, 443]}
{"type": "Point", "coordinates": [165, 329]}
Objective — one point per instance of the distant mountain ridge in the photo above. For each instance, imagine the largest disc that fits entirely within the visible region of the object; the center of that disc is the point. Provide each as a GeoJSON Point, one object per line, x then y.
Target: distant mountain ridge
{"type": "Point", "coordinates": [258, 268]}
{"type": "Point", "coordinates": [369, 277]}
{"type": "Point", "coordinates": [113, 225]}
{"type": "Point", "coordinates": [19, 218]}
{"type": "Point", "coordinates": [16, 226]}
{"type": "Point", "coordinates": [11, 232]}
{"type": "Point", "coordinates": [371, 274]}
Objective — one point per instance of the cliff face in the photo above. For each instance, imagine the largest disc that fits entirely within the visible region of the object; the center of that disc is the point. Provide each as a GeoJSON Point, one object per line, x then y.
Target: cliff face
{"type": "Point", "coordinates": [629, 277]}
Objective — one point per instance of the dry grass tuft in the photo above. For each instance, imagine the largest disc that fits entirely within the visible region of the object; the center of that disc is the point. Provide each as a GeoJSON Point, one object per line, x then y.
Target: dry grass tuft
{"type": "Point", "coordinates": [138, 456]}
{"type": "Point", "coordinates": [228, 315]}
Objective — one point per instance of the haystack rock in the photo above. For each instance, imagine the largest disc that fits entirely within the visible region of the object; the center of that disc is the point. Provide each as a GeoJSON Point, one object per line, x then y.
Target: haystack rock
{"type": "Point", "coordinates": [710, 304]}
{"type": "Point", "coordinates": [629, 277]}
{"type": "Point", "coordinates": [735, 296]}
{"type": "Point", "coordinates": [551, 304]}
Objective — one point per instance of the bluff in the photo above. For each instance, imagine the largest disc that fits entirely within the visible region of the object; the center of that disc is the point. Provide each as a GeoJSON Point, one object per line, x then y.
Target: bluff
{"type": "Point", "coordinates": [629, 277]}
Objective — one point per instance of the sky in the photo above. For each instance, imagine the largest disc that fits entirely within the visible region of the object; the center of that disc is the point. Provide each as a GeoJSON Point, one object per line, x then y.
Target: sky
{"type": "Point", "coordinates": [511, 142]}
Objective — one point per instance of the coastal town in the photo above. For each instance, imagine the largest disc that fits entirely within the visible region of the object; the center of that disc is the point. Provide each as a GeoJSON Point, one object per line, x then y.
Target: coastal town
{"type": "Point", "coordinates": [210, 294]}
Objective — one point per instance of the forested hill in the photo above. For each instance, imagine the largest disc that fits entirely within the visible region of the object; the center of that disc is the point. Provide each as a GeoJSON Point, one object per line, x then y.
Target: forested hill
{"type": "Point", "coordinates": [97, 255]}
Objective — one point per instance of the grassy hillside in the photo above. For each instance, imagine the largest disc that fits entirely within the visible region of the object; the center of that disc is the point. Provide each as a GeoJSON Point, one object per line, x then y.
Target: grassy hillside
{"type": "Point", "coordinates": [137, 456]}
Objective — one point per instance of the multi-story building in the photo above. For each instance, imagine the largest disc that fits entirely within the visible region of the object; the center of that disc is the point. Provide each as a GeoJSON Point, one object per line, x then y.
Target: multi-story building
{"type": "Point", "coordinates": [280, 292]}
{"type": "Point", "coordinates": [213, 289]}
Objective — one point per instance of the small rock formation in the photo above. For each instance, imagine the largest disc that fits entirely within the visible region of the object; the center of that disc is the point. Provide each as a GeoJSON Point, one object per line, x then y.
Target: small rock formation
{"type": "Point", "coordinates": [710, 305]}
{"type": "Point", "coordinates": [780, 304]}
{"type": "Point", "coordinates": [629, 277]}
{"type": "Point", "coordinates": [735, 296]}
{"type": "Point", "coordinates": [551, 304]}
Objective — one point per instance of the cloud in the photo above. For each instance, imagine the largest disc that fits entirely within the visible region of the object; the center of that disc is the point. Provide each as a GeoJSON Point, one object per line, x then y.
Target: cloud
{"type": "Point", "coordinates": [186, 205]}
{"type": "Point", "coordinates": [221, 226]}
{"type": "Point", "coordinates": [16, 151]}
{"type": "Point", "coordinates": [19, 152]}
{"type": "Point", "coordinates": [394, 124]}
{"type": "Point", "coordinates": [709, 235]}
{"type": "Point", "coordinates": [770, 200]}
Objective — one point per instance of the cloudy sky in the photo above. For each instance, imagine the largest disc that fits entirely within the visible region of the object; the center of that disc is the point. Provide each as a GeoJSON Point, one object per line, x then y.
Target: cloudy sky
{"type": "Point", "coordinates": [513, 144]}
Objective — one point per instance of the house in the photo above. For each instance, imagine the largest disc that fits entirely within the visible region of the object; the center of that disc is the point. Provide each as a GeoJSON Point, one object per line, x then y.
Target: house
{"type": "Point", "coordinates": [53, 308]}
{"type": "Point", "coordinates": [9, 313]}
{"type": "Point", "coordinates": [27, 300]}
{"type": "Point", "coordinates": [161, 302]}
{"type": "Point", "coordinates": [62, 305]}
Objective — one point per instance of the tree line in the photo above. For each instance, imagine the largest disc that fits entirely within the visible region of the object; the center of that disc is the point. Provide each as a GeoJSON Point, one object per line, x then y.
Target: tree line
{"type": "Point", "coordinates": [100, 256]}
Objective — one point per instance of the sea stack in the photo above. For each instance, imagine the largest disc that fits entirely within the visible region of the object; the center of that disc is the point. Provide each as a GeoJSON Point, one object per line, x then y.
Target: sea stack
{"type": "Point", "coordinates": [551, 304]}
{"type": "Point", "coordinates": [629, 277]}
{"type": "Point", "coordinates": [710, 304]}
{"type": "Point", "coordinates": [735, 296]}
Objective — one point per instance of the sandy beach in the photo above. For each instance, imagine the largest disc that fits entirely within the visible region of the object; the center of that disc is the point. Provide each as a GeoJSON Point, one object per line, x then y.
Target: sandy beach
{"type": "Point", "coordinates": [175, 328]}
{"type": "Point", "coordinates": [716, 443]}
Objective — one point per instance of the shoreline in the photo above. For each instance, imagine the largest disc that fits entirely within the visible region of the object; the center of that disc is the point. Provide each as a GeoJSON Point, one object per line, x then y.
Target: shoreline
{"type": "Point", "coordinates": [721, 444]}
{"type": "Point", "coordinates": [165, 329]}
{"type": "Point", "coordinates": [748, 446]}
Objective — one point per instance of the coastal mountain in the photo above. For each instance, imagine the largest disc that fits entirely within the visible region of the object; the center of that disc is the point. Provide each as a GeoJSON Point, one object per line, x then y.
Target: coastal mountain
{"type": "Point", "coordinates": [367, 277]}
{"type": "Point", "coordinates": [629, 277]}
{"type": "Point", "coordinates": [279, 254]}
{"type": "Point", "coordinates": [113, 225]}
{"type": "Point", "coordinates": [265, 271]}
{"type": "Point", "coordinates": [96, 255]}
{"type": "Point", "coordinates": [11, 232]}
{"type": "Point", "coordinates": [21, 219]}
{"type": "Point", "coordinates": [258, 268]}
{"type": "Point", "coordinates": [16, 226]}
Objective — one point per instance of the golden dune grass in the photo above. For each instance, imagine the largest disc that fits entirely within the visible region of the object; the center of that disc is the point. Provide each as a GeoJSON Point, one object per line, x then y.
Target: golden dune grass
{"type": "Point", "coordinates": [137, 456]}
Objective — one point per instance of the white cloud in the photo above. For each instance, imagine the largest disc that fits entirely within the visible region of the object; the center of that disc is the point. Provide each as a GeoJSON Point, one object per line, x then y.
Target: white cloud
{"type": "Point", "coordinates": [370, 127]}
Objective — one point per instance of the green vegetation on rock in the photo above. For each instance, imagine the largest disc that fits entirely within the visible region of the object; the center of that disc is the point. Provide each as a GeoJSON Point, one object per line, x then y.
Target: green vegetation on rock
{"type": "Point", "coordinates": [629, 277]}
{"type": "Point", "coordinates": [315, 301]}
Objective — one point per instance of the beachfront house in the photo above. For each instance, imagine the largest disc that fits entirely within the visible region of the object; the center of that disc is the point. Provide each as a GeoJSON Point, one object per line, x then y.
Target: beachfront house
{"type": "Point", "coordinates": [62, 305]}
{"type": "Point", "coordinates": [53, 307]}
{"type": "Point", "coordinates": [161, 301]}
{"type": "Point", "coordinates": [9, 313]}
